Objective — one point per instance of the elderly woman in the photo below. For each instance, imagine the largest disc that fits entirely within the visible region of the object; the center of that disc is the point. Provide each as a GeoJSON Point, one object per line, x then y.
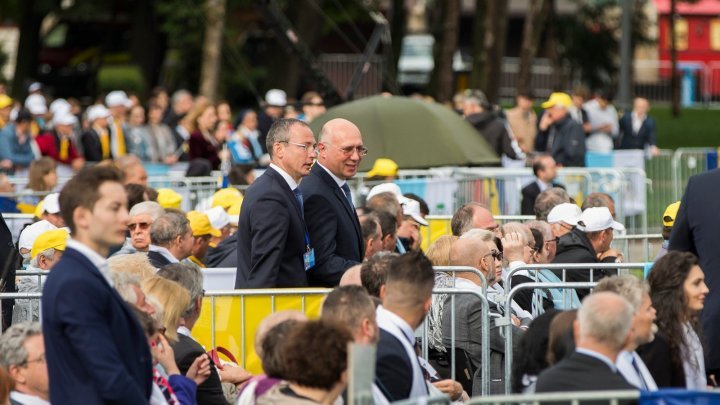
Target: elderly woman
{"type": "Point", "coordinates": [142, 215]}
{"type": "Point", "coordinates": [677, 288]}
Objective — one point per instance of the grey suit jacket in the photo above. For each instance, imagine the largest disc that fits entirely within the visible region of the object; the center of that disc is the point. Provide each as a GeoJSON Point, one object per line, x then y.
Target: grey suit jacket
{"type": "Point", "coordinates": [468, 332]}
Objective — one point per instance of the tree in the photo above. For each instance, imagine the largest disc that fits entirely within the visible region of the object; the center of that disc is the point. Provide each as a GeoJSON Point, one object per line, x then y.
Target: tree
{"type": "Point", "coordinates": [398, 24]}
{"type": "Point", "coordinates": [535, 18]}
{"type": "Point", "coordinates": [494, 43]}
{"type": "Point", "coordinates": [31, 15]}
{"type": "Point", "coordinates": [446, 40]}
{"type": "Point", "coordinates": [478, 53]}
{"type": "Point", "coordinates": [212, 48]}
{"type": "Point", "coordinates": [674, 79]}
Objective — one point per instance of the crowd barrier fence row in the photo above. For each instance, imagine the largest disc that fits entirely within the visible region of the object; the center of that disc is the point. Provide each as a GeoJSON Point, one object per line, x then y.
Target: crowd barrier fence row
{"type": "Point", "coordinates": [574, 398]}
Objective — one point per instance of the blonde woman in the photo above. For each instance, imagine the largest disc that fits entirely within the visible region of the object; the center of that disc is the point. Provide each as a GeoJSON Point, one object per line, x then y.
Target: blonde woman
{"type": "Point", "coordinates": [439, 255]}
{"type": "Point", "coordinates": [174, 300]}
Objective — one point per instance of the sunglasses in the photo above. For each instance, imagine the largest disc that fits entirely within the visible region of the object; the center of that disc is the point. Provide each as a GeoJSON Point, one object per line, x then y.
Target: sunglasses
{"type": "Point", "coordinates": [141, 225]}
{"type": "Point", "coordinates": [496, 254]}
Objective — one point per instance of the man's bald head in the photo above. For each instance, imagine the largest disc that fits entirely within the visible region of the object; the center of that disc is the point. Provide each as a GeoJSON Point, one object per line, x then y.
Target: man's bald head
{"type": "Point", "coordinates": [340, 148]}
{"type": "Point", "coordinates": [337, 128]}
{"type": "Point", "coordinates": [472, 215]}
{"type": "Point", "coordinates": [273, 320]}
{"type": "Point", "coordinates": [467, 252]}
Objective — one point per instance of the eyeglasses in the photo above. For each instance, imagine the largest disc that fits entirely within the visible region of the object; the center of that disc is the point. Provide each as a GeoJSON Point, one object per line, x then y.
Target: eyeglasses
{"type": "Point", "coordinates": [40, 359]}
{"type": "Point", "coordinates": [302, 146]}
{"type": "Point", "coordinates": [555, 240]}
{"type": "Point", "coordinates": [317, 104]}
{"type": "Point", "coordinates": [348, 150]}
{"type": "Point", "coordinates": [496, 254]}
{"type": "Point", "coordinates": [141, 225]}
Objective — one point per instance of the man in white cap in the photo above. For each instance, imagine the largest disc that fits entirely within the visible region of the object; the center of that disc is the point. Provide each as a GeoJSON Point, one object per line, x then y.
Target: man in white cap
{"type": "Point", "coordinates": [37, 105]}
{"type": "Point", "coordinates": [219, 219]}
{"type": "Point", "coordinates": [59, 142]}
{"type": "Point", "coordinates": [51, 210]}
{"type": "Point", "coordinates": [273, 108]}
{"type": "Point", "coordinates": [96, 140]}
{"type": "Point", "coordinates": [388, 198]}
{"type": "Point", "coordinates": [589, 242]}
{"type": "Point", "coordinates": [409, 230]}
{"type": "Point", "coordinates": [118, 103]}
{"type": "Point", "coordinates": [563, 218]}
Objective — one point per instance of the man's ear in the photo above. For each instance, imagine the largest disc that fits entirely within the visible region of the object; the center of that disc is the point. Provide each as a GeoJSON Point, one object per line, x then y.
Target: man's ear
{"type": "Point", "coordinates": [382, 292]}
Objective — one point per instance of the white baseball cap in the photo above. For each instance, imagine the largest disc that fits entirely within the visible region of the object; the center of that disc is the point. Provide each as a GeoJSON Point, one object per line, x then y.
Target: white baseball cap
{"type": "Point", "coordinates": [385, 188]}
{"type": "Point", "coordinates": [117, 98]}
{"type": "Point", "coordinates": [276, 97]}
{"type": "Point", "coordinates": [31, 232]}
{"type": "Point", "coordinates": [35, 86]}
{"type": "Point", "coordinates": [598, 219]}
{"type": "Point", "coordinates": [63, 117]}
{"type": "Point", "coordinates": [96, 112]}
{"type": "Point", "coordinates": [218, 217]}
{"type": "Point", "coordinates": [412, 209]}
{"type": "Point", "coordinates": [58, 105]}
{"type": "Point", "coordinates": [51, 203]}
{"type": "Point", "coordinates": [36, 104]}
{"type": "Point", "coordinates": [565, 212]}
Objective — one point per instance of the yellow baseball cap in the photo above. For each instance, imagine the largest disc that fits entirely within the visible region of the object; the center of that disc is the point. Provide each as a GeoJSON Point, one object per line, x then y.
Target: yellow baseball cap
{"type": "Point", "coordinates": [225, 197]}
{"type": "Point", "coordinates": [39, 209]}
{"type": "Point", "coordinates": [234, 212]}
{"type": "Point", "coordinates": [671, 213]}
{"type": "Point", "coordinates": [200, 224]}
{"type": "Point", "coordinates": [168, 198]}
{"type": "Point", "coordinates": [384, 168]}
{"type": "Point", "coordinates": [54, 239]}
{"type": "Point", "coordinates": [562, 99]}
{"type": "Point", "coordinates": [5, 101]}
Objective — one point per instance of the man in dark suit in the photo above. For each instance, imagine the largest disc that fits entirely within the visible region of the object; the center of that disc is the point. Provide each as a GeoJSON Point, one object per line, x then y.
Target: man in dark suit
{"type": "Point", "coordinates": [329, 211]}
{"type": "Point", "coordinates": [274, 248]}
{"type": "Point", "coordinates": [545, 170]}
{"type": "Point", "coordinates": [602, 330]}
{"type": "Point", "coordinates": [96, 349]}
{"type": "Point", "coordinates": [172, 239]}
{"type": "Point", "coordinates": [96, 142]}
{"type": "Point", "coordinates": [11, 261]}
{"type": "Point", "coordinates": [637, 129]}
{"type": "Point", "coordinates": [406, 300]}
{"type": "Point", "coordinates": [696, 230]}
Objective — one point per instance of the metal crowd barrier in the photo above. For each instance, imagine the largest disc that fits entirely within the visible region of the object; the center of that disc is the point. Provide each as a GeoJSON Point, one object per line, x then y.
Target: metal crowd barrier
{"type": "Point", "coordinates": [16, 222]}
{"type": "Point", "coordinates": [626, 243]}
{"type": "Point", "coordinates": [512, 291]}
{"type": "Point", "coordinates": [574, 398]}
{"type": "Point", "coordinates": [429, 400]}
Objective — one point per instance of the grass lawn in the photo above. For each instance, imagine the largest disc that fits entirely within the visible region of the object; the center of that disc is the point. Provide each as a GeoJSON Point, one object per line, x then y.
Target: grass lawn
{"type": "Point", "coordinates": [695, 127]}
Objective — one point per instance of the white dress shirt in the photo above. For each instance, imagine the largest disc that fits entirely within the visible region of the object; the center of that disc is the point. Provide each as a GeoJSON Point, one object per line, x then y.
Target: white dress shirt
{"type": "Point", "coordinates": [164, 252]}
{"type": "Point", "coordinates": [288, 179]}
{"type": "Point", "coordinates": [639, 377]}
{"type": "Point", "coordinates": [26, 399]}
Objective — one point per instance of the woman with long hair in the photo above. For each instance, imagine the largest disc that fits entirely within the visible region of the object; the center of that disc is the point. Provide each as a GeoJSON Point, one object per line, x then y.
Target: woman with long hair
{"type": "Point", "coordinates": [42, 178]}
{"type": "Point", "coordinates": [677, 288]}
{"type": "Point", "coordinates": [202, 121]}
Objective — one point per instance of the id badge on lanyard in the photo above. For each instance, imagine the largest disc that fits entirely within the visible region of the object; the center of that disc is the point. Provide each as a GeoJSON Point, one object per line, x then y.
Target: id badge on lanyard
{"type": "Point", "coordinates": [309, 255]}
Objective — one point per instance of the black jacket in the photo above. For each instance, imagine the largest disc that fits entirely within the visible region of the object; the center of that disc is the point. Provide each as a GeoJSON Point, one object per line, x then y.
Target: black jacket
{"type": "Point", "coordinates": [186, 350]}
{"type": "Point", "coordinates": [224, 254]}
{"type": "Point", "coordinates": [575, 247]}
{"type": "Point", "coordinates": [565, 141]}
{"type": "Point", "coordinates": [657, 358]}
{"type": "Point", "coordinates": [530, 193]}
{"type": "Point", "coordinates": [494, 132]}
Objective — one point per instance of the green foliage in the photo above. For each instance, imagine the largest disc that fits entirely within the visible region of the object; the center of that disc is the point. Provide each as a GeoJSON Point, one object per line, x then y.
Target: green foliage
{"type": "Point", "coordinates": [126, 77]}
{"type": "Point", "coordinates": [590, 40]}
{"type": "Point", "coordinates": [697, 127]}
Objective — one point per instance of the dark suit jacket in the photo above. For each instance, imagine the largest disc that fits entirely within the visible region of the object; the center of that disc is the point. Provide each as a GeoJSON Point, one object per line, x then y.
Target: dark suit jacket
{"type": "Point", "coordinates": [334, 228]}
{"type": "Point", "coordinates": [657, 357]}
{"type": "Point", "coordinates": [96, 350]}
{"type": "Point", "coordinates": [530, 193]}
{"type": "Point", "coordinates": [696, 230]}
{"type": "Point", "coordinates": [632, 140]}
{"type": "Point", "coordinates": [9, 262]}
{"type": "Point", "coordinates": [271, 236]}
{"type": "Point", "coordinates": [92, 148]}
{"type": "Point", "coordinates": [393, 368]}
{"type": "Point", "coordinates": [157, 259]}
{"type": "Point", "coordinates": [580, 372]}
{"type": "Point", "coordinates": [186, 351]}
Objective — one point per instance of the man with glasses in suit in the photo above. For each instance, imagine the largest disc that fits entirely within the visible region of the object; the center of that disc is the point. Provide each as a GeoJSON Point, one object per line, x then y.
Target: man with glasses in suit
{"type": "Point", "coordinates": [329, 210]}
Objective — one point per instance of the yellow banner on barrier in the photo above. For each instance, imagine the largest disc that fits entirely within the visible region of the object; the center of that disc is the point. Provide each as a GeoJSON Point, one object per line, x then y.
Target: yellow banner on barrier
{"type": "Point", "coordinates": [237, 319]}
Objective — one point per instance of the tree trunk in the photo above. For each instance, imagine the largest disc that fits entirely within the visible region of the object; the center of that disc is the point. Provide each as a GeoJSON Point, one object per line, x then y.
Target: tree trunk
{"type": "Point", "coordinates": [674, 79]}
{"type": "Point", "coordinates": [212, 49]}
{"type": "Point", "coordinates": [442, 82]}
{"type": "Point", "coordinates": [398, 24]}
{"type": "Point", "coordinates": [495, 34]}
{"type": "Point", "coordinates": [553, 45]}
{"type": "Point", "coordinates": [28, 45]}
{"type": "Point", "coordinates": [479, 55]}
{"type": "Point", "coordinates": [148, 44]}
{"type": "Point", "coordinates": [532, 30]}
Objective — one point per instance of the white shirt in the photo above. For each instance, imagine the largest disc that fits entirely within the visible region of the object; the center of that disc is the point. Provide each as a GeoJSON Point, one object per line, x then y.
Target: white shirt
{"type": "Point", "coordinates": [400, 329]}
{"type": "Point", "coordinates": [625, 367]}
{"type": "Point", "coordinates": [637, 122]}
{"type": "Point", "coordinates": [542, 185]}
{"type": "Point", "coordinates": [290, 181]}
{"type": "Point", "coordinates": [26, 399]}
{"type": "Point", "coordinates": [600, 116]}
{"type": "Point", "coordinates": [340, 182]}
{"type": "Point", "coordinates": [95, 258]}
{"type": "Point", "coordinates": [164, 252]}
{"type": "Point", "coordinates": [598, 356]}
{"type": "Point", "coordinates": [184, 331]}
{"type": "Point", "coordinates": [693, 361]}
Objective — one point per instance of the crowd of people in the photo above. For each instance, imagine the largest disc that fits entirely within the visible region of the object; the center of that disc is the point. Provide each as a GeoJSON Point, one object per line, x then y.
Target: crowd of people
{"type": "Point", "coordinates": [125, 283]}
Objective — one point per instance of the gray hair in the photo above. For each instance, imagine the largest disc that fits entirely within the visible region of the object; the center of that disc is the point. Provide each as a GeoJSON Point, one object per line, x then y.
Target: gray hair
{"type": "Point", "coordinates": [187, 275]}
{"type": "Point", "coordinates": [543, 227]}
{"type": "Point", "coordinates": [547, 200]}
{"type": "Point", "coordinates": [123, 282]}
{"type": "Point", "coordinates": [631, 288]}
{"type": "Point", "coordinates": [147, 208]}
{"type": "Point", "coordinates": [477, 233]}
{"type": "Point", "coordinates": [280, 132]}
{"type": "Point", "coordinates": [178, 96]}
{"type": "Point", "coordinates": [167, 227]}
{"type": "Point", "coordinates": [12, 343]}
{"type": "Point", "coordinates": [606, 317]}
{"type": "Point", "coordinates": [47, 253]}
